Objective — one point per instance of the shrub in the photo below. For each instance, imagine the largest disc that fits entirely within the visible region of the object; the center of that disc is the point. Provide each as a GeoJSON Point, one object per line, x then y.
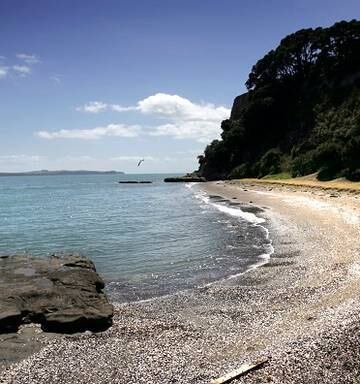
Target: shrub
{"type": "Point", "coordinates": [327, 173]}
{"type": "Point", "coordinates": [270, 163]}
{"type": "Point", "coordinates": [240, 172]}
{"type": "Point", "coordinates": [352, 174]}
{"type": "Point", "coordinates": [303, 165]}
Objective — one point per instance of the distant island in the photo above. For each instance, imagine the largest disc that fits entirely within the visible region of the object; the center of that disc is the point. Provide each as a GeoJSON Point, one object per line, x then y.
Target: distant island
{"type": "Point", "coordinates": [45, 172]}
{"type": "Point", "coordinates": [300, 115]}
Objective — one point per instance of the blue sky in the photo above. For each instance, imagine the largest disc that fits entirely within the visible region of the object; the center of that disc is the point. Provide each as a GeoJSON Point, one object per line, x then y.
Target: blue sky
{"type": "Point", "coordinates": [101, 84]}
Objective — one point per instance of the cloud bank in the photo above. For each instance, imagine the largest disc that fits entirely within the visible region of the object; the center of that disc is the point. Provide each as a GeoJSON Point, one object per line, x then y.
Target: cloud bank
{"type": "Point", "coordinates": [177, 117]}
{"type": "Point", "coordinates": [115, 130]}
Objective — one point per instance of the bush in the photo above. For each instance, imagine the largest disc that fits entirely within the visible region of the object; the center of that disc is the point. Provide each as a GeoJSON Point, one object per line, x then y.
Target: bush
{"type": "Point", "coordinates": [352, 174]}
{"type": "Point", "coordinates": [270, 163]}
{"type": "Point", "coordinates": [327, 173]}
{"type": "Point", "coordinates": [303, 165]}
{"type": "Point", "coordinates": [240, 172]}
{"type": "Point", "coordinates": [329, 155]}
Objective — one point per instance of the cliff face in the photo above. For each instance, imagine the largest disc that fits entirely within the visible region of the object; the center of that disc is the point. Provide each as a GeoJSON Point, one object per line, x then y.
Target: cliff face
{"type": "Point", "coordinates": [301, 113]}
{"type": "Point", "coordinates": [240, 104]}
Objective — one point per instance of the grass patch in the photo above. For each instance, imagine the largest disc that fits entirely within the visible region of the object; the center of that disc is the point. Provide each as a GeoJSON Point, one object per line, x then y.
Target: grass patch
{"type": "Point", "coordinates": [278, 176]}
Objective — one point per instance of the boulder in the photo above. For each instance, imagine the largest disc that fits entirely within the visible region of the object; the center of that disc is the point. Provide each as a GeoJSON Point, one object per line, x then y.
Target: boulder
{"type": "Point", "coordinates": [62, 293]}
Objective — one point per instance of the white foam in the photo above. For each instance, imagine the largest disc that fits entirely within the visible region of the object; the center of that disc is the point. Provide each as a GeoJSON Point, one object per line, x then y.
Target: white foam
{"type": "Point", "coordinates": [190, 185]}
{"type": "Point", "coordinates": [234, 212]}
{"type": "Point", "coordinates": [248, 216]}
{"type": "Point", "coordinates": [264, 258]}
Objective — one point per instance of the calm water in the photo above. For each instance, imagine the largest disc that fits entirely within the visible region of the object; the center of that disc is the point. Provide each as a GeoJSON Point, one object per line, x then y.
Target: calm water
{"type": "Point", "coordinates": [146, 240]}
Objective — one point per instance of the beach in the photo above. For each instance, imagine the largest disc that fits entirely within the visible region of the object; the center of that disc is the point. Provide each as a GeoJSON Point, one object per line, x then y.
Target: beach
{"type": "Point", "coordinates": [299, 311]}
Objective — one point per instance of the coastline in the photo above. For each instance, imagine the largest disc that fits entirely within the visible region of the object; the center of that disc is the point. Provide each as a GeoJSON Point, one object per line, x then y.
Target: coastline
{"type": "Point", "coordinates": [300, 310]}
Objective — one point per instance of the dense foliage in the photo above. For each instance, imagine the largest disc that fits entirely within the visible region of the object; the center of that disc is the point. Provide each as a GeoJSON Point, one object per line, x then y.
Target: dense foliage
{"type": "Point", "coordinates": [301, 113]}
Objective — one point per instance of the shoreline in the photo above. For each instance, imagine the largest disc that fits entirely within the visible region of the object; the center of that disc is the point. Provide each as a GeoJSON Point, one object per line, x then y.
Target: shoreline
{"type": "Point", "coordinates": [300, 310]}
{"type": "Point", "coordinates": [254, 218]}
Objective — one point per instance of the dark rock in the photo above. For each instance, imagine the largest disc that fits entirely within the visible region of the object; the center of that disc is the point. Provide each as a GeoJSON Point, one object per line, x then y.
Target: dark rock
{"type": "Point", "coordinates": [63, 294]}
{"type": "Point", "coordinates": [135, 182]}
{"type": "Point", "coordinates": [184, 179]}
{"type": "Point", "coordinates": [239, 106]}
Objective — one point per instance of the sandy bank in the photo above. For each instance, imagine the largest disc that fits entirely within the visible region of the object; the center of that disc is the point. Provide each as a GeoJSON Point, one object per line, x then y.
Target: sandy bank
{"type": "Point", "coordinates": [310, 181]}
{"type": "Point", "coordinates": [300, 310]}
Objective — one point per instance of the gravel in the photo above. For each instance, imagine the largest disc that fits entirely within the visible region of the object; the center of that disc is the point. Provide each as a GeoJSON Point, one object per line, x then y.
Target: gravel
{"type": "Point", "coordinates": [300, 311]}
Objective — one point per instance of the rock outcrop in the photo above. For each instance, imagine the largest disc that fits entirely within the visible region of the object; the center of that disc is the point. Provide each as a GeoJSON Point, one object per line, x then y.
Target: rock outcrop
{"type": "Point", "coordinates": [239, 106]}
{"type": "Point", "coordinates": [189, 177]}
{"type": "Point", "coordinates": [62, 293]}
{"type": "Point", "coordinates": [135, 182]}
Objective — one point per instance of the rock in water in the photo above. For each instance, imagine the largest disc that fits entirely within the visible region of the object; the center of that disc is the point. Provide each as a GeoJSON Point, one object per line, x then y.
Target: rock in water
{"type": "Point", "coordinates": [184, 179]}
{"type": "Point", "coordinates": [62, 293]}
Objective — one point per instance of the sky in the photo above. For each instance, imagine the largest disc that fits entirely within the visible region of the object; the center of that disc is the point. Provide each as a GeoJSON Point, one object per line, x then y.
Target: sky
{"type": "Point", "coordinates": [101, 84]}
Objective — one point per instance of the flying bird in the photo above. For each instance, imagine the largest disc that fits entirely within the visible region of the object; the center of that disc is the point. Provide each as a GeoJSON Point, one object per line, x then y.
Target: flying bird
{"type": "Point", "coordinates": [139, 163]}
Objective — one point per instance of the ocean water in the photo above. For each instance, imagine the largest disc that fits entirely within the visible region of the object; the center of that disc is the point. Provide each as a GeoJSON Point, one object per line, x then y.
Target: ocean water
{"type": "Point", "coordinates": [145, 239]}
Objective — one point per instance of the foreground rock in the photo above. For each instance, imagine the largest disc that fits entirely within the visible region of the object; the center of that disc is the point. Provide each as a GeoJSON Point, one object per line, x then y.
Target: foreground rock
{"type": "Point", "coordinates": [63, 294]}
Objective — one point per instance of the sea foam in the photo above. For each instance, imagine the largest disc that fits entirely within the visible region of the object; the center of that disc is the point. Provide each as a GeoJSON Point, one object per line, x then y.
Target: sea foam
{"type": "Point", "coordinates": [249, 217]}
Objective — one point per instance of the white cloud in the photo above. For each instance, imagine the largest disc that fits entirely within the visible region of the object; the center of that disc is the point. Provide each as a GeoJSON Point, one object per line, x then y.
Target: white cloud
{"type": "Point", "coordinates": [202, 131]}
{"type": "Point", "coordinates": [185, 119]}
{"type": "Point", "coordinates": [28, 59]}
{"type": "Point", "coordinates": [22, 69]}
{"type": "Point", "coordinates": [76, 158]}
{"type": "Point", "coordinates": [179, 108]}
{"type": "Point", "coordinates": [133, 158]}
{"type": "Point", "coordinates": [93, 107]}
{"type": "Point", "coordinates": [99, 106]}
{"type": "Point", "coordinates": [114, 130]}
{"type": "Point", "coordinates": [19, 158]}
{"type": "Point", "coordinates": [3, 72]}
{"type": "Point", "coordinates": [120, 108]}
{"type": "Point", "coordinates": [55, 78]}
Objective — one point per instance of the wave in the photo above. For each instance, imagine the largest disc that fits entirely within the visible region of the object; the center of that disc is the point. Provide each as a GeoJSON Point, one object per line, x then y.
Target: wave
{"type": "Point", "coordinates": [257, 221]}
{"type": "Point", "coordinates": [234, 212]}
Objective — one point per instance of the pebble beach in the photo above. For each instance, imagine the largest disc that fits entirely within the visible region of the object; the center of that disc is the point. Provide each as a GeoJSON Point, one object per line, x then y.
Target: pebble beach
{"type": "Point", "coordinates": [299, 311]}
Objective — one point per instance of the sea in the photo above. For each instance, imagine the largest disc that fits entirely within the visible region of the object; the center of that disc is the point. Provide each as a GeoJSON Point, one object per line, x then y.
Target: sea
{"type": "Point", "coordinates": [146, 240]}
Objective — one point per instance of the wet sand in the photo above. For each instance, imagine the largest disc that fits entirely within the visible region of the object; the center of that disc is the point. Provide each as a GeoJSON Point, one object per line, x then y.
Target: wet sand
{"type": "Point", "coordinates": [300, 310]}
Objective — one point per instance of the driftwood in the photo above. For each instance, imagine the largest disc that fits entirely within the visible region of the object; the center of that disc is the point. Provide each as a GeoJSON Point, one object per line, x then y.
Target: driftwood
{"type": "Point", "coordinates": [244, 368]}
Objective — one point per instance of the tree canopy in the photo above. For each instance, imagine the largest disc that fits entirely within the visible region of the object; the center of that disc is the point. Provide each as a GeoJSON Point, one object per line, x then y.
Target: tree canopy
{"type": "Point", "coordinates": [301, 113]}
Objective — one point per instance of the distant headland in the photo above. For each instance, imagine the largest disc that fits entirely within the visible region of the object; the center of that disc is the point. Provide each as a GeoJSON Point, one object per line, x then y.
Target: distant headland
{"type": "Point", "coordinates": [45, 172]}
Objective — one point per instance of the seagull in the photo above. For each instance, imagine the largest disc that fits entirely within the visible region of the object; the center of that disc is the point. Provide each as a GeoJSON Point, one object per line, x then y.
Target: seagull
{"type": "Point", "coordinates": [139, 163]}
